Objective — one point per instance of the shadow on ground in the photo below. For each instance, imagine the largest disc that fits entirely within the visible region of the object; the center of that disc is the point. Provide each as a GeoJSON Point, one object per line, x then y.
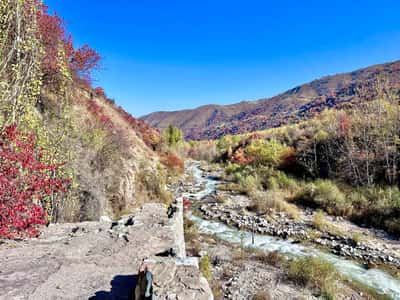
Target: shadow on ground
{"type": "Point", "coordinates": [122, 287]}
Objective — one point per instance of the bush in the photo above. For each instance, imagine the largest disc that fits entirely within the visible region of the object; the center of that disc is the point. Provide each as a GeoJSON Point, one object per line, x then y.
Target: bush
{"type": "Point", "coordinates": [172, 162]}
{"type": "Point", "coordinates": [358, 237]}
{"type": "Point", "coordinates": [248, 183]}
{"type": "Point", "coordinates": [286, 182]}
{"type": "Point", "coordinates": [232, 168]}
{"type": "Point", "coordinates": [263, 202]}
{"type": "Point", "coordinates": [315, 273]}
{"type": "Point", "coordinates": [271, 258]}
{"type": "Point", "coordinates": [217, 291]}
{"type": "Point", "coordinates": [205, 267]}
{"type": "Point", "coordinates": [262, 295]}
{"type": "Point", "coordinates": [323, 225]}
{"type": "Point", "coordinates": [378, 207]}
{"type": "Point", "coordinates": [190, 229]}
{"type": "Point", "coordinates": [323, 194]}
{"type": "Point", "coordinates": [26, 184]}
{"type": "Point", "coordinates": [268, 153]}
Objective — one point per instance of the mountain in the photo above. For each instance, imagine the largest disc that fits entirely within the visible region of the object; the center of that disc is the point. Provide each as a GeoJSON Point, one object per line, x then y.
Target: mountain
{"type": "Point", "coordinates": [304, 101]}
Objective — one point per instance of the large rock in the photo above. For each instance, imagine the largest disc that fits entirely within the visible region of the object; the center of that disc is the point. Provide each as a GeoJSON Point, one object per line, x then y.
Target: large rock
{"type": "Point", "coordinates": [91, 261]}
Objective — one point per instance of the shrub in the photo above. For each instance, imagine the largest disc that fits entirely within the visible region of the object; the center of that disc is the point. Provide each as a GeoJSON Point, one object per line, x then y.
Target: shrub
{"type": "Point", "coordinates": [26, 184]}
{"type": "Point", "coordinates": [262, 295]}
{"type": "Point", "coordinates": [271, 258]}
{"type": "Point", "coordinates": [173, 135]}
{"type": "Point", "coordinates": [248, 183]}
{"type": "Point", "coordinates": [286, 182]}
{"type": "Point", "coordinates": [315, 273]}
{"type": "Point", "coordinates": [323, 194]}
{"type": "Point", "coordinates": [269, 153]}
{"type": "Point", "coordinates": [172, 162]}
{"type": "Point", "coordinates": [190, 230]}
{"type": "Point", "coordinates": [377, 206]}
{"type": "Point", "coordinates": [358, 237]}
{"type": "Point", "coordinates": [232, 168]}
{"type": "Point", "coordinates": [217, 291]}
{"type": "Point", "coordinates": [320, 223]}
{"type": "Point", "coordinates": [205, 267]}
{"type": "Point", "coordinates": [267, 201]}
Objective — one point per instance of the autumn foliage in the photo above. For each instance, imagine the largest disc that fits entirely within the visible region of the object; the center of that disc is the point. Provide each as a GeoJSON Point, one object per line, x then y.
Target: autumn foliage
{"type": "Point", "coordinates": [98, 111]}
{"type": "Point", "coordinates": [172, 162]}
{"type": "Point", "coordinates": [25, 182]}
{"type": "Point", "coordinates": [59, 50]}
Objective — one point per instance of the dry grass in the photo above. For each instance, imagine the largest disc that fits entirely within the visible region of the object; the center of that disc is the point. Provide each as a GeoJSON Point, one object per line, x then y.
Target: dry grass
{"type": "Point", "coordinates": [315, 273]}
{"type": "Point", "coordinates": [358, 237]}
{"type": "Point", "coordinates": [217, 290]}
{"type": "Point", "coordinates": [273, 200]}
{"type": "Point", "coordinates": [262, 295]}
{"type": "Point", "coordinates": [322, 224]}
{"type": "Point", "coordinates": [270, 258]}
{"type": "Point", "coordinates": [190, 229]}
{"type": "Point", "coordinates": [221, 199]}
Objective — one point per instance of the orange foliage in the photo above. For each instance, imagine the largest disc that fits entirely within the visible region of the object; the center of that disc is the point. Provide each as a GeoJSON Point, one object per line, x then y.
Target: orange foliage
{"type": "Point", "coordinates": [172, 162]}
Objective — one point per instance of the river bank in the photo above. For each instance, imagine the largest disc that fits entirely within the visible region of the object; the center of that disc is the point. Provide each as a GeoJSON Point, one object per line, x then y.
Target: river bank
{"type": "Point", "coordinates": [204, 186]}
{"type": "Point", "coordinates": [369, 246]}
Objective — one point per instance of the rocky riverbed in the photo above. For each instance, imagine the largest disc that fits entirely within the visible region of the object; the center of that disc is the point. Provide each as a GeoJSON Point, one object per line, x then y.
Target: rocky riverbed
{"type": "Point", "coordinates": [242, 274]}
{"type": "Point", "coordinates": [282, 226]}
{"type": "Point", "coordinates": [99, 260]}
{"type": "Point", "coordinates": [376, 247]}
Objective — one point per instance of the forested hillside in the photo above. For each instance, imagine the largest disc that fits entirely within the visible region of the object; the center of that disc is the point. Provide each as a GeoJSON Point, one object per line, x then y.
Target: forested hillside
{"type": "Point", "coordinates": [345, 162]}
{"type": "Point", "coordinates": [300, 103]}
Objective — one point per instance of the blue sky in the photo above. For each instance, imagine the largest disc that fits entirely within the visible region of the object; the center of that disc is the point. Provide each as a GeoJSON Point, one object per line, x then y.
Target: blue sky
{"type": "Point", "coordinates": [176, 54]}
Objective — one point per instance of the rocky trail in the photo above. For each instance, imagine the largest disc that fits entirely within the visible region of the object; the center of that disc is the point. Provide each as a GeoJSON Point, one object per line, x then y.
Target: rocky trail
{"type": "Point", "coordinates": [99, 260]}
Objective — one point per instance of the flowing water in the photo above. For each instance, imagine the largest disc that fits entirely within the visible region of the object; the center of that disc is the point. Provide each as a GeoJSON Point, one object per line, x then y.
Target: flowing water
{"type": "Point", "coordinates": [377, 279]}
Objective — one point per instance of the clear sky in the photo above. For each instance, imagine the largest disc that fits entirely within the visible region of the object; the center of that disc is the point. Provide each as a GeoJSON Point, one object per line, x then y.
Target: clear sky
{"type": "Point", "coordinates": [176, 54]}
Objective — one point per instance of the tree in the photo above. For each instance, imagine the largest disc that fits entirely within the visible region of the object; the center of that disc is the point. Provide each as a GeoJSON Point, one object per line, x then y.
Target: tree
{"type": "Point", "coordinates": [262, 152]}
{"type": "Point", "coordinates": [60, 56]}
{"type": "Point", "coordinates": [173, 135]}
{"type": "Point", "coordinates": [20, 56]}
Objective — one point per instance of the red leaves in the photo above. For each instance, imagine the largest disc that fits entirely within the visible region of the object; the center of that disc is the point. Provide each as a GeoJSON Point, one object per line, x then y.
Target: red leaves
{"type": "Point", "coordinates": [24, 182]}
{"type": "Point", "coordinates": [83, 60]}
{"type": "Point", "coordinates": [240, 157]}
{"type": "Point", "coordinates": [52, 33]}
{"type": "Point", "coordinates": [99, 91]}
{"type": "Point", "coordinates": [98, 111]}
{"type": "Point", "coordinates": [344, 124]}
{"type": "Point", "coordinates": [150, 136]}
{"type": "Point", "coordinates": [172, 162]}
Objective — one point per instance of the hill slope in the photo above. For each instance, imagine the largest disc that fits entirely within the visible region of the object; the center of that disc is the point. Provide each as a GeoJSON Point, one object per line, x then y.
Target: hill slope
{"type": "Point", "coordinates": [213, 121]}
{"type": "Point", "coordinates": [112, 151]}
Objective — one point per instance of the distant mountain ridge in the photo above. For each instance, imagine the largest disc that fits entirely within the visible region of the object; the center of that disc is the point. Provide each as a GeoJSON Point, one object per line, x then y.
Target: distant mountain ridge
{"type": "Point", "coordinates": [301, 102]}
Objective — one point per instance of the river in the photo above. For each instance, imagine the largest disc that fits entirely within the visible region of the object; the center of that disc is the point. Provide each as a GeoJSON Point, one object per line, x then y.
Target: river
{"type": "Point", "coordinates": [377, 279]}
